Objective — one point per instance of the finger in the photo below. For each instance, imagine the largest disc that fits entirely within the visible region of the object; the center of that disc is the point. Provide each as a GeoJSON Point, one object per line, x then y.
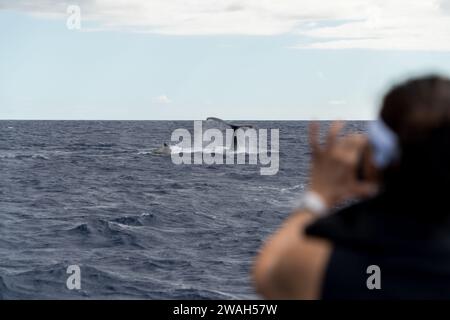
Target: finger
{"type": "Point", "coordinates": [333, 132]}
{"type": "Point", "coordinates": [365, 189]}
{"type": "Point", "coordinates": [352, 146]}
{"type": "Point", "coordinates": [356, 140]}
{"type": "Point", "coordinates": [314, 138]}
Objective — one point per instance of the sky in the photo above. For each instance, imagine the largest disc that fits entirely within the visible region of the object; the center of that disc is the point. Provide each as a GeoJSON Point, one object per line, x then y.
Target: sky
{"type": "Point", "coordinates": [190, 59]}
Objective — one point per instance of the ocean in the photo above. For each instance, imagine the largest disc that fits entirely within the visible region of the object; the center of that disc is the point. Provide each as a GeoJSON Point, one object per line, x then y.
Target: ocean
{"type": "Point", "coordinates": [96, 195]}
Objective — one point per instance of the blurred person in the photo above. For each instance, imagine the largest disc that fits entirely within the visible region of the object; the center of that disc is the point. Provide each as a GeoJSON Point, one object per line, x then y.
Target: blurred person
{"type": "Point", "coordinates": [399, 173]}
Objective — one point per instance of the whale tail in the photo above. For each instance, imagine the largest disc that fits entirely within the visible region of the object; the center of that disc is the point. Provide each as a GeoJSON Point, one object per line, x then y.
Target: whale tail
{"type": "Point", "coordinates": [232, 126]}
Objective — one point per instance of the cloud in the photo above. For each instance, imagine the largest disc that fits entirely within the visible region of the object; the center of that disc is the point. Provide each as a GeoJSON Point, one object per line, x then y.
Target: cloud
{"type": "Point", "coordinates": [399, 25]}
{"type": "Point", "coordinates": [325, 24]}
{"type": "Point", "coordinates": [337, 102]}
{"type": "Point", "coordinates": [162, 99]}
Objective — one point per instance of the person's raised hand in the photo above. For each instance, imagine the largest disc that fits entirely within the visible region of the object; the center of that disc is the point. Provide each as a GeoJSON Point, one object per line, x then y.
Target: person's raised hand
{"type": "Point", "coordinates": [334, 165]}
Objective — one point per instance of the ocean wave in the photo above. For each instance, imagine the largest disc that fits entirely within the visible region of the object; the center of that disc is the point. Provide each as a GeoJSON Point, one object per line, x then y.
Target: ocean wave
{"type": "Point", "coordinates": [193, 293]}
{"type": "Point", "coordinates": [87, 146]}
{"type": "Point", "coordinates": [5, 292]}
{"type": "Point", "coordinates": [138, 225]}
{"type": "Point", "coordinates": [50, 281]}
{"type": "Point", "coordinates": [129, 221]}
{"type": "Point", "coordinates": [21, 156]}
{"type": "Point", "coordinates": [214, 151]}
{"type": "Point", "coordinates": [103, 233]}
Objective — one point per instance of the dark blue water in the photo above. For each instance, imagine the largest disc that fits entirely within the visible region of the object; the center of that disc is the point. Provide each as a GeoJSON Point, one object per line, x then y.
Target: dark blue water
{"type": "Point", "coordinates": [92, 193]}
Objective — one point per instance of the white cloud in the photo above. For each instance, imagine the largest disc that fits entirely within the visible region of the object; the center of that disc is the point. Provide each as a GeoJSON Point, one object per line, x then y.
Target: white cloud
{"type": "Point", "coordinates": [326, 24]}
{"type": "Point", "coordinates": [400, 25]}
{"type": "Point", "coordinates": [337, 102]}
{"type": "Point", "coordinates": [162, 99]}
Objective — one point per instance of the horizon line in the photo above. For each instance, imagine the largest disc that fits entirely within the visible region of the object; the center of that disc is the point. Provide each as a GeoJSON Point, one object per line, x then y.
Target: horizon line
{"type": "Point", "coordinates": [141, 120]}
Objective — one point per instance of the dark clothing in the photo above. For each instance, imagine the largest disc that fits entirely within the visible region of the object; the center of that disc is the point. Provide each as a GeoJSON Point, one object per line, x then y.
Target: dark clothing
{"type": "Point", "coordinates": [411, 248]}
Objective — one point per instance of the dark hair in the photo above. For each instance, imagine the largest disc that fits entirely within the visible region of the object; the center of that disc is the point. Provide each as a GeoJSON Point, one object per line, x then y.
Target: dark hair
{"type": "Point", "coordinates": [418, 111]}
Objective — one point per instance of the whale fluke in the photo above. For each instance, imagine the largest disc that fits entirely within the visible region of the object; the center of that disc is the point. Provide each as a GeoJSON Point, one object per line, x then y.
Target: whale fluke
{"type": "Point", "coordinates": [231, 125]}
